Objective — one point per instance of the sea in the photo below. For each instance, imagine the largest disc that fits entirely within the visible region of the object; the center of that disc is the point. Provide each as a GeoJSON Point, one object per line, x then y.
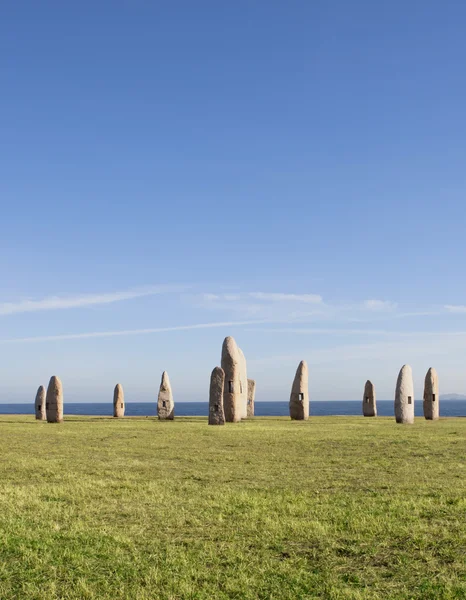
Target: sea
{"type": "Point", "coordinates": [448, 408]}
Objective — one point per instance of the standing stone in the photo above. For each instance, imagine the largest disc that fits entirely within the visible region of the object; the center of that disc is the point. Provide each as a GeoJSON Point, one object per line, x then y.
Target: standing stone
{"type": "Point", "coordinates": [217, 382]}
{"type": "Point", "coordinates": [39, 404]}
{"type": "Point", "coordinates": [243, 384]}
{"type": "Point", "coordinates": [431, 397]}
{"type": "Point", "coordinates": [251, 396]}
{"type": "Point", "coordinates": [299, 398]}
{"type": "Point", "coordinates": [404, 396]}
{"type": "Point", "coordinates": [118, 401]}
{"type": "Point", "coordinates": [369, 406]}
{"type": "Point", "coordinates": [54, 401]}
{"type": "Point", "coordinates": [231, 390]}
{"type": "Point", "coordinates": [165, 404]}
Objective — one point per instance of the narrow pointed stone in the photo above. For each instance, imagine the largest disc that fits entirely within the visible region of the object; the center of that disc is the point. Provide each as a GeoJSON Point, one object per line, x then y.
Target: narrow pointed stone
{"type": "Point", "coordinates": [54, 401]}
{"type": "Point", "coordinates": [231, 390]}
{"type": "Point", "coordinates": [243, 384]}
{"type": "Point", "coordinates": [39, 404]}
{"type": "Point", "coordinates": [404, 396]}
{"type": "Point", "coordinates": [431, 397]}
{"type": "Point", "coordinates": [216, 412]}
{"type": "Point", "coordinates": [165, 403]}
{"type": "Point", "coordinates": [251, 396]}
{"type": "Point", "coordinates": [369, 405]}
{"type": "Point", "coordinates": [118, 401]}
{"type": "Point", "coordinates": [299, 398]}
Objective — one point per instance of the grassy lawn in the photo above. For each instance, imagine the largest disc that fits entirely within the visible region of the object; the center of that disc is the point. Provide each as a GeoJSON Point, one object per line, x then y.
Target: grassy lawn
{"type": "Point", "coordinates": [336, 507]}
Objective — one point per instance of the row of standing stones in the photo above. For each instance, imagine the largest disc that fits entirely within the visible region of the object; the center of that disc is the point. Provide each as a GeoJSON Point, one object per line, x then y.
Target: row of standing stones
{"type": "Point", "coordinates": [231, 394]}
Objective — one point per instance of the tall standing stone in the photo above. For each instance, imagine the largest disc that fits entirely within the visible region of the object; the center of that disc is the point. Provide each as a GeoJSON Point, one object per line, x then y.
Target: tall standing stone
{"type": "Point", "coordinates": [216, 412]}
{"type": "Point", "coordinates": [39, 404]}
{"type": "Point", "coordinates": [243, 384]}
{"type": "Point", "coordinates": [369, 406]}
{"type": "Point", "coordinates": [404, 396]}
{"type": "Point", "coordinates": [54, 401]}
{"type": "Point", "coordinates": [118, 401]}
{"type": "Point", "coordinates": [231, 390]}
{"type": "Point", "coordinates": [299, 398]}
{"type": "Point", "coordinates": [431, 397]}
{"type": "Point", "coordinates": [165, 403]}
{"type": "Point", "coordinates": [251, 396]}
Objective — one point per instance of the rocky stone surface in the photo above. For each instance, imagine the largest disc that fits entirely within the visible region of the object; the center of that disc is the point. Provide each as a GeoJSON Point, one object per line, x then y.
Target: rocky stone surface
{"type": "Point", "coordinates": [299, 398]}
{"type": "Point", "coordinates": [369, 405]}
{"type": "Point", "coordinates": [118, 401]}
{"type": "Point", "coordinates": [251, 396]}
{"type": "Point", "coordinates": [216, 412]}
{"type": "Point", "coordinates": [404, 396]}
{"type": "Point", "coordinates": [231, 390]}
{"type": "Point", "coordinates": [165, 403]}
{"type": "Point", "coordinates": [431, 396]}
{"type": "Point", "coordinates": [243, 384]}
{"type": "Point", "coordinates": [54, 401]}
{"type": "Point", "coordinates": [39, 404]}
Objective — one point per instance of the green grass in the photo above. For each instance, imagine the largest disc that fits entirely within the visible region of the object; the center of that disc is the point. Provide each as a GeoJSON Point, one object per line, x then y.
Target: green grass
{"type": "Point", "coordinates": [336, 507]}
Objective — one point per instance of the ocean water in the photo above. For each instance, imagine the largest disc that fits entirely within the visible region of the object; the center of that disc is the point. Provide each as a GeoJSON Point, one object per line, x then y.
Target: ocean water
{"type": "Point", "coordinates": [448, 408]}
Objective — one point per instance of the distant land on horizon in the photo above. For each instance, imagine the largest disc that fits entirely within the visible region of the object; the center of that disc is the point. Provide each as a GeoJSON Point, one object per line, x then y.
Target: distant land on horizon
{"type": "Point", "coordinates": [452, 397]}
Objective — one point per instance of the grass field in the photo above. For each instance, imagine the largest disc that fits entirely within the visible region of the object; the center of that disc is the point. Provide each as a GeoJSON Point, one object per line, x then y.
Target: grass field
{"type": "Point", "coordinates": [336, 507]}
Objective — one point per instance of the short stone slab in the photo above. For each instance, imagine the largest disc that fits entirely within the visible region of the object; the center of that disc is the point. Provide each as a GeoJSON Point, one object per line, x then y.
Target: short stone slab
{"type": "Point", "coordinates": [431, 396]}
{"type": "Point", "coordinates": [165, 403]}
{"type": "Point", "coordinates": [299, 398]}
{"type": "Point", "coordinates": [216, 412]}
{"type": "Point", "coordinates": [369, 406]}
{"type": "Point", "coordinates": [404, 396]}
{"type": "Point", "coordinates": [39, 404]}
{"type": "Point", "coordinates": [251, 396]}
{"type": "Point", "coordinates": [231, 366]}
{"type": "Point", "coordinates": [118, 401]}
{"type": "Point", "coordinates": [54, 401]}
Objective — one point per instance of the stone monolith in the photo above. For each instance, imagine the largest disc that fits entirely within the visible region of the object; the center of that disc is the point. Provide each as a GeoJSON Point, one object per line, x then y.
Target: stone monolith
{"type": "Point", "coordinates": [216, 412]}
{"type": "Point", "coordinates": [118, 401]}
{"type": "Point", "coordinates": [369, 406]}
{"type": "Point", "coordinates": [431, 397]}
{"type": "Point", "coordinates": [231, 389]}
{"type": "Point", "coordinates": [299, 398]}
{"type": "Point", "coordinates": [54, 401]}
{"type": "Point", "coordinates": [251, 396]}
{"type": "Point", "coordinates": [404, 396]}
{"type": "Point", "coordinates": [165, 403]}
{"type": "Point", "coordinates": [39, 404]}
{"type": "Point", "coordinates": [243, 384]}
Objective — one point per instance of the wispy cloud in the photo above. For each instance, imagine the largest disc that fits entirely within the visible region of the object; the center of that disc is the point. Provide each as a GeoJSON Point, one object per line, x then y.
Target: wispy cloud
{"type": "Point", "coordinates": [278, 297]}
{"type": "Point", "coordinates": [80, 301]}
{"type": "Point", "coordinates": [455, 308]}
{"type": "Point", "coordinates": [103, 334]}
{"type": "Point", "coordinates": [380, 305]}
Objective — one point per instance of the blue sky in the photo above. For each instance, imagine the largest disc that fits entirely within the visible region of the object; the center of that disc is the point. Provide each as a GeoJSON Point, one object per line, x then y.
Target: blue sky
{"type": "Point", "coordinates": [289, 173]}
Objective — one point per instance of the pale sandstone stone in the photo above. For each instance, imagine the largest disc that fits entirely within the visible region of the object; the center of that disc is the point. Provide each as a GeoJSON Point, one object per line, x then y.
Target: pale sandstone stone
{"type": "Point", "coordinates": [216, 412]}
{"type": "Point", "coordinates": [404, 396]}
{"type": "Point", "coordinates": [251, 396]}
{"type": "Point", "coordinates": [231, 390]}
{"type": "Point", "coordinates": [369, 405]}
{"type": "Point", "coordinates": [431, 396]}
{"type": "Point", "coordinates": [39, 404]}
{"type": "Point", "coordinates": [299, 398]}
{"type": "Point", "coordinates": [243, 385]}
{"type": "Point", "coordinates": [118, 401]}
{"type": "Point", "coordinates": [54, 401]}
{"type": "Point", "coordinates": [165, 403]}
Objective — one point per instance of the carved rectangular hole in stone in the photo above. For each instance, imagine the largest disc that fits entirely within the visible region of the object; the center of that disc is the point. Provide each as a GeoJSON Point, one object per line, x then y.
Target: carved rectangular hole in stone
{"type": "Point", "coordinates": [121, 405]}
{"type": "Point", "coordinates": [39, 406]}
{"type": "Point", "coordinates": [164, 404]}
{"type": "Point", "coordinates": [240, 387]}
{"type": "Point", "coordinates": [367, 399]}
{"type": "Point", "coordinates": [433, 397]}
{"type": "Point", "coordinates": [46, 405]}
{"type": "Point", "coordinates": [216, 407]}
{"type": "Point", "coordinates": [230, 387]}
{"type": "Point", "coordinates": [301, 396]}
{"type": "Point", "coordinates": [410, 400]}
